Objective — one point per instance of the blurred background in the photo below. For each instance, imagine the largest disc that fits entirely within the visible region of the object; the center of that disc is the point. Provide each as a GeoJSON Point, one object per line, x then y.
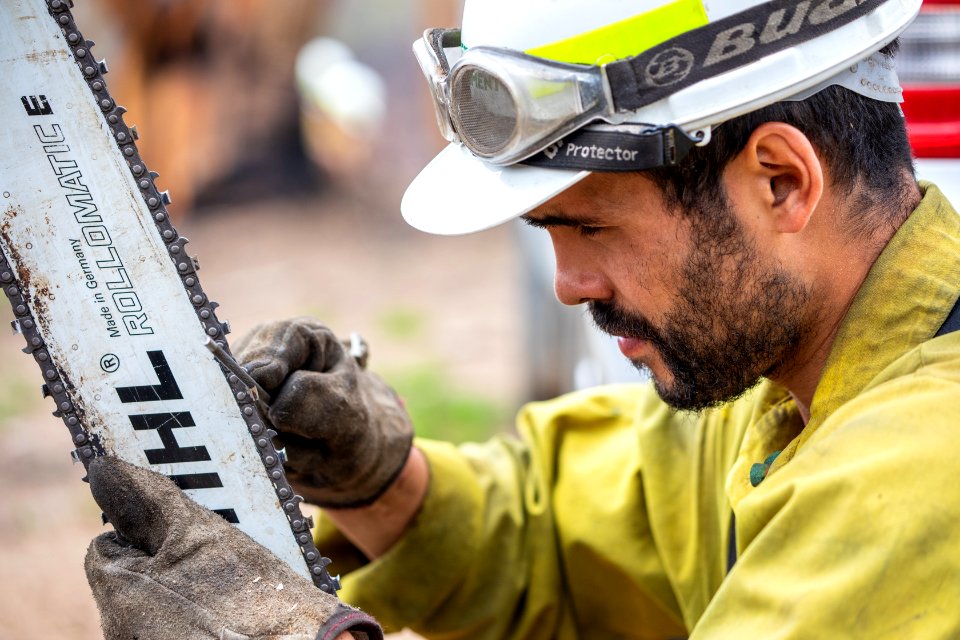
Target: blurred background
{"type": "Point", "coordinates": [286, 132]}
{"type": "Point", "coordinates": [286, 157]}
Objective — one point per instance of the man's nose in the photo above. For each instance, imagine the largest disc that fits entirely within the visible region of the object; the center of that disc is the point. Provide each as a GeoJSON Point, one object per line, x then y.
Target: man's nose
{"type": "Point", "coordinates": [578, 279]}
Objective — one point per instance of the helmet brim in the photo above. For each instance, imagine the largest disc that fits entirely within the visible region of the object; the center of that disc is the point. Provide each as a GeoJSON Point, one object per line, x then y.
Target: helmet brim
{"type": "Point", "coordinates": [458, 193]}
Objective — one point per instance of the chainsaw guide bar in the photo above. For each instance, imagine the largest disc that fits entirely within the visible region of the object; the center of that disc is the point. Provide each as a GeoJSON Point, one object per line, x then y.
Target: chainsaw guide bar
{"type": "Point", "coordinates": [109, 301]}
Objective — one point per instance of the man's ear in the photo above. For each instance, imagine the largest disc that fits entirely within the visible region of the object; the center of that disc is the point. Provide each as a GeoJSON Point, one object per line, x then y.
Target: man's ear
{"type": "Point", "coordinates": [782, 173]}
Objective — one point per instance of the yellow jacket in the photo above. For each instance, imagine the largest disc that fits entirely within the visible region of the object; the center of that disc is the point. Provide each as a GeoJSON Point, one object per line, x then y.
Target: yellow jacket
{"type": "Point", "coordinates": [610, 518]}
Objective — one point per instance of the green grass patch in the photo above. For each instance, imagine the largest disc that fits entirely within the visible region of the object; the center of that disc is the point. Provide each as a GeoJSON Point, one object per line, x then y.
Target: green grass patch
{"type": "Point", "coordinates": [441, 411]}
{"type": "Point", "coordinates": [17, 396]}
{"type": "Point", "coordinates": [402, 324]}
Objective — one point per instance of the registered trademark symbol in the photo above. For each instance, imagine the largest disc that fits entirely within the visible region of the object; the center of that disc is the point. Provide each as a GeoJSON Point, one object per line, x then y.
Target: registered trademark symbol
{"type": "Point", "coordinates": [109, 363]}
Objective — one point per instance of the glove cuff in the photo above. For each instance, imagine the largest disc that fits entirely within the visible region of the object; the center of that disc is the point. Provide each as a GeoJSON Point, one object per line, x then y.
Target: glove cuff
{"type": "Point", "coordinates": [340, 500]}
{"type": "Point", "coordinates": [349, 619]}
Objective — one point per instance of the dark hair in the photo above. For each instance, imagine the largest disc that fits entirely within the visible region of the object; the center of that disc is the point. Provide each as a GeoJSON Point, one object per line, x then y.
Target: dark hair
{"type": "Point", "coordinates": [862, 142]}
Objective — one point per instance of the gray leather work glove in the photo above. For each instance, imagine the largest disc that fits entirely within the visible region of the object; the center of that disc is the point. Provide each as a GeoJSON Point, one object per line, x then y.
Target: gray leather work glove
{"type": "Point", "coordinates": [346, 433]}
{"type": "Point", "coordinates": [175, 571]}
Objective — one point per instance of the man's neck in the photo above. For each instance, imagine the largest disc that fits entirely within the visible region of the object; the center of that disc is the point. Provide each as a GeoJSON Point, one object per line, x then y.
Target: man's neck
{"type": "Point", "coordinates": [804, 372]}
{"type": "Point", "coordinates": [840, 279]}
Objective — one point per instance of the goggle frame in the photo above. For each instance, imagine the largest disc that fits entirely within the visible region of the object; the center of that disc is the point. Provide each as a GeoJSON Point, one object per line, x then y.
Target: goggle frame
{"type": "Point", "coordinates": [552, 99]}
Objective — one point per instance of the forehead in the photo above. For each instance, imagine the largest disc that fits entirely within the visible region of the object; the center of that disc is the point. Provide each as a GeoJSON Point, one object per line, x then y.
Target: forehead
{"type": "Point", "coordinates": [600, 196]}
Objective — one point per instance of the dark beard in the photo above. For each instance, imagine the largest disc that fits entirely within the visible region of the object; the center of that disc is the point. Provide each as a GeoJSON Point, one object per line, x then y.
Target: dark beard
{"type": "Point", "coordinates": [735, 319]}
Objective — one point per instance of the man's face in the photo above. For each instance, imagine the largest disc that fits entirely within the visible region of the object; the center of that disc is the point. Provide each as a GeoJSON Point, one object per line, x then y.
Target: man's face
{"type": "Point", "coordinates": [689, 294]}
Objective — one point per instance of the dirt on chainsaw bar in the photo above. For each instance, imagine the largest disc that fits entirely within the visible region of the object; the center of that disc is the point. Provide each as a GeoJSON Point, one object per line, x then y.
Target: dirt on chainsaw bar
{"type": "Point", "coordinates": [441, 316]}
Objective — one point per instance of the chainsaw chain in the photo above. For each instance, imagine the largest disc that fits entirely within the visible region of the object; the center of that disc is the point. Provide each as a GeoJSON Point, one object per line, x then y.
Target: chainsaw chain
{"type": "Point", "coordinates": [57, 386]}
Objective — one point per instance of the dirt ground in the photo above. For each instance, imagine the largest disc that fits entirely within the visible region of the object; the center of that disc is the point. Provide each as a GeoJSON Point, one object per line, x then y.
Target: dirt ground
{"type": "Point", "coordinates": [344, 256]}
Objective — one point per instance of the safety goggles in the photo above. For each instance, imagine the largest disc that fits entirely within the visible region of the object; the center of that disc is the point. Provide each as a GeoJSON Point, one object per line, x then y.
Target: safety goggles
{"type": "Point", "coordinates": [504, 105]}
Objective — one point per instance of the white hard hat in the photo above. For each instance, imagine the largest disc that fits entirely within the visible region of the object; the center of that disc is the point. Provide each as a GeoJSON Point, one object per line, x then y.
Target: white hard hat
{"type": "Point", "coordinates": [693, 40]}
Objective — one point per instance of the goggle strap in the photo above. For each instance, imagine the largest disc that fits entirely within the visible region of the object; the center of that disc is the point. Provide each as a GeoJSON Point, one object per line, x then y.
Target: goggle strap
{"type": "Point", "coordinates": [613, 151]}
{"type": "Point", "coordinates": [730, 43]}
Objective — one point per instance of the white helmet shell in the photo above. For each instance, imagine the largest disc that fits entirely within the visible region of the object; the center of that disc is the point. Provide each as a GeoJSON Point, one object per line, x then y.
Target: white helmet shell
{"type": "Point", "coordinates": [524, 25]}
{"type": "Point", "coordinates": [459, 193]}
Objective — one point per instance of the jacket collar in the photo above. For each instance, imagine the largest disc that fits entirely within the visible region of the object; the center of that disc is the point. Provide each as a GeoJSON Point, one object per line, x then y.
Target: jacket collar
{"type": "Point", "coordinates": [903, 301]}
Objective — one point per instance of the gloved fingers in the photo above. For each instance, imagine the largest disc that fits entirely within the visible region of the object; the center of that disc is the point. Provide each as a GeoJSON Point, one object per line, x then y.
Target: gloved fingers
{"type": "Point", "coordinates": [125, 585]}
{"type": "Point", "coordinates": [310, 404]}
{"type": "Point", "coordinates": [304, 455]}
{"type": "Point", "coordinates": [327, 353]}
{"type": "Point", "coordinates": [383, 394]}
{"type": "Point", "coordinates": [140, 504]}
{"type": "Point", "coordinates": [107, 548]}
{"type": "Point", "coordinates": [272, 350]}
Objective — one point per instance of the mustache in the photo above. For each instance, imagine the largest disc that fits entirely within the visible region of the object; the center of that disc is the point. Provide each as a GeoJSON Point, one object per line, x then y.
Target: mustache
{"type": "Point", "coordinates": [617, 322]}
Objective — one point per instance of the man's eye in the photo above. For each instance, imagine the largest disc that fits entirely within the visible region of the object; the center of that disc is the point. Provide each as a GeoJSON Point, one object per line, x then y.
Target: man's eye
{"type": "Point", "coordinates": [588, 231]}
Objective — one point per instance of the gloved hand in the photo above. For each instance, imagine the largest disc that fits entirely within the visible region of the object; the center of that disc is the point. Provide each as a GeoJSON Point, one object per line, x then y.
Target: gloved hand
{"type": "Point", "coordinates": [174, 571]}
{"type": "Point", "coordinates": [346, 432]}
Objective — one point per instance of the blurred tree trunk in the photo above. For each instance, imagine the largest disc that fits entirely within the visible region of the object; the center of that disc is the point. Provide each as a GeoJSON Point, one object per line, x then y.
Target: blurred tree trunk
{"type": "Point", "coordinates": [208, 83]}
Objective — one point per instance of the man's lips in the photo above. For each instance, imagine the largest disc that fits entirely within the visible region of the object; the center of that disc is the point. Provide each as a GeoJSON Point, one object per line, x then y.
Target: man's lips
{"type": "Point", "coordinates": [633, 348]}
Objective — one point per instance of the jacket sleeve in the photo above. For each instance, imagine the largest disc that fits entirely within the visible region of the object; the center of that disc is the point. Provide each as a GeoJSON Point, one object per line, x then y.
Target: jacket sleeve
{"type": "Point", "coordinates": [856, 536]}
{"type": "Point", "coordinates": [537, 537]}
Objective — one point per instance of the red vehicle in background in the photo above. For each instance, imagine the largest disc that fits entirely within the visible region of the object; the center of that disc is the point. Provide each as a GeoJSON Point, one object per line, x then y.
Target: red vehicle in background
{"type": "Point", "coordinates": [566, 352]}
{"type": "Point", "coordinates": [929, 69]}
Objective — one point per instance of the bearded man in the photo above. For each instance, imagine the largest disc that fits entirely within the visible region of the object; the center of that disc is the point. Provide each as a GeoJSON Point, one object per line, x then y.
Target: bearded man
{"type": "Point", "coordinates": [763, 249]}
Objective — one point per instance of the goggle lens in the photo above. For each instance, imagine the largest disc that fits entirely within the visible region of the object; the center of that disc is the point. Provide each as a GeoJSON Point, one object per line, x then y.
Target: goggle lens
{"type": "Point", "coordinates": [503, 105]}
{"type": "Point", "coordinates": [487, 121]}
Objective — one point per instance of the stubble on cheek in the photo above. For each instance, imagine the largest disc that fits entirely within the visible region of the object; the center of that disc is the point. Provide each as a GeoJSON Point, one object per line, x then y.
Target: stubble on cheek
{"type": "Point", "coordinates": [732, 319]}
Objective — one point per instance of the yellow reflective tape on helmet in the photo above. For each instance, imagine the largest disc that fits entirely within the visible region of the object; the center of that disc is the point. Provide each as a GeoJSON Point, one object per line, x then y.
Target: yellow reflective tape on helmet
{"type": "Point", "coordinates": [628, 37]}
